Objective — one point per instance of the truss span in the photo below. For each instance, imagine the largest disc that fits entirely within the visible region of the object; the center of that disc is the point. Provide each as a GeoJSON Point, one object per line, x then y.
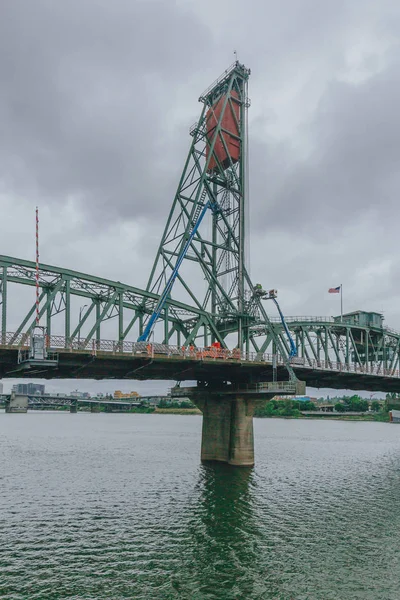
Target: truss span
{"type": "Point", "coordinates": [331, 352]}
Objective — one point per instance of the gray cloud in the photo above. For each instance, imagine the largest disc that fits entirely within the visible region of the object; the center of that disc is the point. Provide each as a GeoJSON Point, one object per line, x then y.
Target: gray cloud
{"type": "Point", "coordinates": [86, 90]}
{"type": "Point", "coordinates": [352, 168]}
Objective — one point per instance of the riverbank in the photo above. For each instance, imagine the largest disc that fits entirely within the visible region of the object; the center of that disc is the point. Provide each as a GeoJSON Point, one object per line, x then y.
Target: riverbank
{"type": "Point", "coordinates": [377, 418]}
{"type": "Point", "coordinates": [177, 411]}
{"type": "Point", "coordinates": [381, 417]}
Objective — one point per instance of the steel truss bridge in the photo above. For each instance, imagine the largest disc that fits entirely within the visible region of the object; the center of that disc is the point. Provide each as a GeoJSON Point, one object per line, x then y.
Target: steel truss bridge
{"type": "Point", "coordinates": [46, 401]}
{"type": "Point", "coordinates": [199, 294]}
{"type": "Point", "coordinates": [331, 353]}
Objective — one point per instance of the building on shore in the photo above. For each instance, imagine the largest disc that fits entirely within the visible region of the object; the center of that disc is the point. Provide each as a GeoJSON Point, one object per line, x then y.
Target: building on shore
{"type": "Point", "coordinates": [118, 395]}
{"type": "Point", "coordinates": [29, 389]}
{"type": "Point", "coordinates": [81, 395]}
{"type": "Point", "coordinates": [297, 398]}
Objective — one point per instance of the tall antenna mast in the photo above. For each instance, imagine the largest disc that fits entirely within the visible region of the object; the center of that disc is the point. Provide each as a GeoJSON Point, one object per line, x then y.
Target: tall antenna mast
{"type": "Point", "coordinates": [37, 266]}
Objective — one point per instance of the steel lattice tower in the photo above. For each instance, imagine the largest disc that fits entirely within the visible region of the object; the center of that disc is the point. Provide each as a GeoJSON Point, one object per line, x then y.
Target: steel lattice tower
{"type": "Point", "coordinates": [213, 274]}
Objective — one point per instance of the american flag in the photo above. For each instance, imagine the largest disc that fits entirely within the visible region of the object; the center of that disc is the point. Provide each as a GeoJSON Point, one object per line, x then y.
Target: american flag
{"type": "Point", "coordinates": [335, 290]}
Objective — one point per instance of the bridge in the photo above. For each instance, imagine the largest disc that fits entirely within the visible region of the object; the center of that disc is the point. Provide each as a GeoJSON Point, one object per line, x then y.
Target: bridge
{"type": "Point", "coordinates": [200, 318]}
{"type": "Point", "coordinates": [73, 403]}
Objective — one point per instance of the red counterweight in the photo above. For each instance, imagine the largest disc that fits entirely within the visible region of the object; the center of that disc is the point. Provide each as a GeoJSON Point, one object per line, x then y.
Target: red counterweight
{"type": "Point", "coordinates": [229, 133]}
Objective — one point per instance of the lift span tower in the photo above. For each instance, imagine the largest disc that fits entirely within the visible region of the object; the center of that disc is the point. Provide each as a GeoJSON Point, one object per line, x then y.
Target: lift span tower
{"type": "Point", "coordinates": [205, 264]}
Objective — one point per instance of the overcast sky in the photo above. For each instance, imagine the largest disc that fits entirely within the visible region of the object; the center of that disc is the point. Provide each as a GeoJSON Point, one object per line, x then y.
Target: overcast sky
{"type": "Point", "coordinates": [96, 101]}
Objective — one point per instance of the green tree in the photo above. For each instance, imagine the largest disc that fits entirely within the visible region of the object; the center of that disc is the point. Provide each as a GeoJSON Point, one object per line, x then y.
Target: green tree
{"type": "Point", "coordinates": [375, 406]}
{"type": "Point", "coordinates": [357, 404]}
{"type": "Point", "coordinates": [339, 407]}
{"type": "Point", "coordinates": [308, 405]}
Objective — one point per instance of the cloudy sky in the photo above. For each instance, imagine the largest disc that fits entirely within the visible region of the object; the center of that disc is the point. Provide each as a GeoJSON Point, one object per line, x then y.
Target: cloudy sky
{"type": "Point", "coordinates": [96, 101]}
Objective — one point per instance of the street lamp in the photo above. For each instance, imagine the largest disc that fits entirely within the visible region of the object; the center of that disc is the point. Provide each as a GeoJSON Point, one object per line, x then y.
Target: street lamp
{"type": "Point", "coordinates": [80, 316]}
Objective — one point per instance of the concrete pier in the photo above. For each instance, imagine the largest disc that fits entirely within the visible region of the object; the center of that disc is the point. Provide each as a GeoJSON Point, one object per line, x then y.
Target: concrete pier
{"type": "Point", "coordinates": [18, 403]}
{"type": "Point", "coordinates": [73, 408]}
{"type": "Point", "coordinates": [227, 432]}
{"type": "Point", "coordinates": [241, 448]}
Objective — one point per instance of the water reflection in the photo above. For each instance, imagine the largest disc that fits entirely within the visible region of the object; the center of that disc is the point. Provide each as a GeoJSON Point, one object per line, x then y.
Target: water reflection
{"type": "Point", "coordinates": [224, 534]}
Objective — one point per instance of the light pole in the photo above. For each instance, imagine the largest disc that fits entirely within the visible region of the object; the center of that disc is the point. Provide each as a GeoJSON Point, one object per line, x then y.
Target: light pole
{"type": "Point", "coordinates": [80, 315]}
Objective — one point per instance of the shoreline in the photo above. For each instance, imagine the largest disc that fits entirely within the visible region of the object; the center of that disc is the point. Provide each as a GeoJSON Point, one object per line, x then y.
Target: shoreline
{"type": "Point", "coordinates": [378, 418]}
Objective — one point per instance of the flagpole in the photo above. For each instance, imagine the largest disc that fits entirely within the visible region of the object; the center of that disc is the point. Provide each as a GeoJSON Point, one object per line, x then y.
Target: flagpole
{"type": "Point", "coordinates": [341, 302]}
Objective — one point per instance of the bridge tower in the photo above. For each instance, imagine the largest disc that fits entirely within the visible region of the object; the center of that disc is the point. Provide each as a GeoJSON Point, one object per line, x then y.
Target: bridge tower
{"type": "Point", "coordinates": [203, 261]}
{"type": "Point", "coordinates": [213, 273]}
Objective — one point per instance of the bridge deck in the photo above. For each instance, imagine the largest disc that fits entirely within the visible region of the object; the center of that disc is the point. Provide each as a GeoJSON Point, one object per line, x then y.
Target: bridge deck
{"type": "Point", "coordinates": [108, 360]}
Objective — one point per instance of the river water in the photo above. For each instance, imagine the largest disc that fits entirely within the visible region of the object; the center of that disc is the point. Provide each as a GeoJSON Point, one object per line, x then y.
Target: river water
{"type": "Point", "coordinates": [108, 506]}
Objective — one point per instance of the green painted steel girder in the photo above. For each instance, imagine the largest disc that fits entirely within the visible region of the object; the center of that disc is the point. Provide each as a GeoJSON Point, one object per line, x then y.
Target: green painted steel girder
{"type": "Point", "coordinates": [326, 340]}
{"type": "Point", "coordinates": [107, 298]}
{"type": "Point", "coordinates": [321, 341]}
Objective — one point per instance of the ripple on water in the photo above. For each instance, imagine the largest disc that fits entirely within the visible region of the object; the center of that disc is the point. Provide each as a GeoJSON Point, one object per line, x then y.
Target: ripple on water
{"type": "Point", "coordinates": [117, 507]}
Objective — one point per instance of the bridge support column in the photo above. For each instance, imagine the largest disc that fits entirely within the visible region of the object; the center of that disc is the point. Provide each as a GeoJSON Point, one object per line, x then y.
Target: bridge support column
{"type": "Point", "coordinates": [242, 435]}
{"type": "Point", "coordinates": [18, 403]}
{"type": "Point", "coordinates": [73, 408]}
{"type": "Point", "coordinates": [227, 434]}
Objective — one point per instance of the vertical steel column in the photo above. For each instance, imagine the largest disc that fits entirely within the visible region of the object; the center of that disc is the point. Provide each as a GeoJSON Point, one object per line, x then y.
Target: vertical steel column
{"type": "Point", "coordinates": [120, 316]}
{"type": "Point", "coordinates": [384, 352]}
{"type": "Point", "coordinates": [166, 324]}
{"type": "Point", "coordinates": [98, 322]}
{"type": "Point", "coordinates": [214, 259]}
{"type": "Point", "coordinates": [347, 347]}
{"type": "Point", "coordinates": [4, 306]}
{"type": "Point", "coordinates": [67, 311]}
{"type": "Point", "coordinates": [366, 350]}
{"type": "Point", "coordinates": [242, 214]}
{"type": "Point", "coordinates": [326, 346]}
{"type": "Point", "coordinates": [48, 313]}
{"type": "Point", "coordinates": [140, 324]}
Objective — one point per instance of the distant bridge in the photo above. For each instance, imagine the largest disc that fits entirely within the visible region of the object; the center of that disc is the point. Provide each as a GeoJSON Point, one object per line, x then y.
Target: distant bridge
{"type": "Point", "coordinates": [48, 401]}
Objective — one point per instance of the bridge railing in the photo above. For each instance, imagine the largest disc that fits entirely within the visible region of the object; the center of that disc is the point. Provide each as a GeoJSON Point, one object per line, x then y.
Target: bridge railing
{"type": "Point", "coordinates": [21, 342]}
{"type": "Point", "coordinates": [295, 319]}
{"type": "Point", "coordinates": [360, 369]}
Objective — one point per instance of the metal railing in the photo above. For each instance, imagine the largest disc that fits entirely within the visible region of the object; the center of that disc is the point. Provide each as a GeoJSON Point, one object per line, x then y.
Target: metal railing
{"type": "Point", "coordinates": [219, 80]}
{"type": "Point", "coordinates": [294, 319]}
